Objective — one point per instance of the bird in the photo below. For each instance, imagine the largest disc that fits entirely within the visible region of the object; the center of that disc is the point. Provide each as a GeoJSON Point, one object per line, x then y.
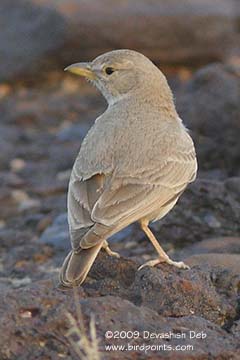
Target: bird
{"type": "Point", "coordinates": [133, 164]}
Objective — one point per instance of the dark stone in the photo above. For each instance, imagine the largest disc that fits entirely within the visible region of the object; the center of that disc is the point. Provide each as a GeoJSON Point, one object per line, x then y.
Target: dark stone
{"type": "Point", "coordinates": [210, 107]}
{"type": "Point", "coordinates": [221, 245]}
{"type": "Point", "coordinates": [73, 132]}
{"type": "Point", "coordinates": [233, 184]}
{"type": "Point", "coordinates": [167, 290]}
{"type": "Point", "coordinates": [206, 209]}
{"type": "Point", "coordinates": [57, 234]}
{"type": "Point", "coordinates": [33, 33]}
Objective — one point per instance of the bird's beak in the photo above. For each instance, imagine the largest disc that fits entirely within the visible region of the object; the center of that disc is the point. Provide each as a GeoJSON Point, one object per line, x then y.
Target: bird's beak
{"type": "Point", "coordinates": [82, 69]}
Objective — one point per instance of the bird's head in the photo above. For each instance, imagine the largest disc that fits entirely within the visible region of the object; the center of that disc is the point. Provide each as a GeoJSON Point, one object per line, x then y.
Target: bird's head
{"type": "Point", "coordinates": [119, 73]}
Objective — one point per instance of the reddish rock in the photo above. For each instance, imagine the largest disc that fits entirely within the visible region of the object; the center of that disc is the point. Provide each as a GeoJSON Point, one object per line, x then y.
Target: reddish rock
{"type": "Point", "coordinates": [34, 325]}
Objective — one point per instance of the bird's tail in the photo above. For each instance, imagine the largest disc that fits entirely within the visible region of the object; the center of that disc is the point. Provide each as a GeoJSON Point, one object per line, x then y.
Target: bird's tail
{"type": "Point", "coordinates": [77, 265]}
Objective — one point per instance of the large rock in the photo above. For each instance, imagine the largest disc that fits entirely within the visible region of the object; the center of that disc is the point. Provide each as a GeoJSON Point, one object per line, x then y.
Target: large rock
{"type": "Point", "coordinates": [221, 245]}
{"type": "Point", "coordinates": [29, 33]}
{"type": "Point", "coordinates": [167, 290]}
{"type": "Point", "coordinates": [45, 34]}
{"type": "Point", "coordinates": [111, 25]}
{"type": "Point", "coordinates": [210, 107]}
{"type": "Point", "coordinates": [206, 209]}
{"type": "Point", "coordinates": [163, 300]}
{"type": "Point", "coordinates": [225, 261]}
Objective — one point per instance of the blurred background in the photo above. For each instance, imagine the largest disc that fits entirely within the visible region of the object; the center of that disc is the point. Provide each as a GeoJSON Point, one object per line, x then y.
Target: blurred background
{"type": "Point", "coordinates": [45, 113]}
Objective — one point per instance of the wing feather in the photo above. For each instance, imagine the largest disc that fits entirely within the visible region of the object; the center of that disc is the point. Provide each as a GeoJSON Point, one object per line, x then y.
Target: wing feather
{"type": "Point", "coordinates": [133, 195]}
{"type": "Point", "coordinates": [82, 196]}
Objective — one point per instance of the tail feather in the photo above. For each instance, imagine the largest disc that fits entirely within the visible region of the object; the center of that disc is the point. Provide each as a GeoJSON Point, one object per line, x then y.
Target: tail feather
{"type": "Point", "coordinates": [77, 265]}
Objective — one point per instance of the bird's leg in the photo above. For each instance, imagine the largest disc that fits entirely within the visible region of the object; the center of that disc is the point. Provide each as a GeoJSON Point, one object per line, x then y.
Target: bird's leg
{"type": "Point", "coordinates": [163, 257]}
{"type": "Point", "coordinates": [108, 250]}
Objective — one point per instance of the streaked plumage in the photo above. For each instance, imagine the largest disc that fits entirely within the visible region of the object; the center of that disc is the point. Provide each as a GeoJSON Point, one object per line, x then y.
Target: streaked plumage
{"type": "Point", "coordinates": [134, 163]}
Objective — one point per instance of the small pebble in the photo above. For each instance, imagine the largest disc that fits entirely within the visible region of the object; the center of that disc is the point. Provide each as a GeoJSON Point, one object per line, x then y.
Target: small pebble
{"type": "Point", "coordinates": [29, 204]}
{"type": "Point", "coordinates": [19, 196]}
{"type": "Point", "coordinates": [64, 175]}
{"type": "Point", "coordinates": [17, 164]}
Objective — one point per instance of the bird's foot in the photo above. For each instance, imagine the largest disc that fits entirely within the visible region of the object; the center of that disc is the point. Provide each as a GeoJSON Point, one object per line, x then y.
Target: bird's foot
{"type": "Point", "coordinates": [112, 253]}
{"type": "Point", "coordinates": [178, 264]}
{"type": "Point", "coordinates": [109, 251]}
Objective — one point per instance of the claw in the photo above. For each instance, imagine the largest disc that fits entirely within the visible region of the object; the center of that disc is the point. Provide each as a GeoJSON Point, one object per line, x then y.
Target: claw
{"type": "Point", "coordinates": [178, 264]}
{"type": "Point", "coordinates": [111, 253]}
{"type": "Point", "coordinates": [152, 263]}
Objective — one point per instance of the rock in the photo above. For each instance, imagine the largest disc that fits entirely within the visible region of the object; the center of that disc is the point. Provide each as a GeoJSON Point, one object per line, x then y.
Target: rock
{"type": "Point", "coordinates": [19, 196]}
{"type": "Point", "coordinates": [10, 239]}
{"type": "Point", "coordinates": [224, 271]}
{"type": "Point", "coordinates": [8, 203]}
{"type": "Point", "coordinates": [9, 179]}
{"type": "Point", "coordinates": [121, 315]}
{"type": "Point", "coordinates": [57, 234]}
{"type": "Point", "coordinates": [2, 224]}
{"type": "Point", "coordinates": [5, 90]}
{"type": "Point", "coordinates": [29, 204]}
{"type": "Point", "coordinates": [178, 295]}
{"type": "Point", "coordinates": [54, 107]}
{"type": "Point", "coordinates": [124, 235]}
{"type": "Point", "coordinates": [17, 165]}
{"type": "Point", "coordinates": [206, 290]}
{"type": "Point", "coordinates": [8, 138]}
{"type": "Point", "coordinates": [206, 209]}
{"type": "Point", "coordinates": [73, 132]}
{"type": "Point", "coordinates": [37, 327]}
{"type": "Point", "coordinates": [219, 21]}
{"type": "Point", "coordinates": [46, 34]}
{"type": "Point", "coordinates": [211, 221]}
{"type": "Point", "coordinates": [236, 329]}
{"type": "Point", "coordinates": [167, 290]}
{"type": "Point", "coordinates": [222, 245]}
{"type": "Point", "coordinates": [64, 175]}
{"type": "Point", "coordinates": [233, 184]}
{"type": "Point", "coordinates": [225, 261]}
{"type": "Point", "coordinates": [37, 144]}
{"type": "Point", "coordinates": [43, 223]}
{"type": "Point", "coordinates": [24, 201]}
{"type": "Point", "coordinates": [210, 108]}
{"type": "Point", "coordinates": [30, 311]}
{"type": "Point", "coordinates": [35, 32]}
{"type": "Point", "coordinates": [31, 220]}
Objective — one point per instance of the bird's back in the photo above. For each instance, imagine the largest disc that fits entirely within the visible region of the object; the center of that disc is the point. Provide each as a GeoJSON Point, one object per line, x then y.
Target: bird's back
{"type": "Point", "coordinates": [126, 139]}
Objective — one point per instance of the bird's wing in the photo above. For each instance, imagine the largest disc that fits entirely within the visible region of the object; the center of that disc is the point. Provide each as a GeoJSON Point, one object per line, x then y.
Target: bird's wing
{"type": "Point", "coordinates": [90, 172]}
{"type": "Point", "coordinates": [127, 199]}
{"type": "Point", "coordinates": [128, 195]}
{"type": "Point", "coordinates": [82, 196]}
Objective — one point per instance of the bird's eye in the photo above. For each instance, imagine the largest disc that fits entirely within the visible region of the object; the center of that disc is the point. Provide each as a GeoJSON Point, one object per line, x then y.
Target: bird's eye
{"type": "Point", "coordinates": [109, 70]}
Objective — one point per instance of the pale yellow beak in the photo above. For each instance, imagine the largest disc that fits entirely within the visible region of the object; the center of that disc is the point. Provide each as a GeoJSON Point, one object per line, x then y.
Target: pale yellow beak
{"type": "Point", "coordinates": [82, 69]}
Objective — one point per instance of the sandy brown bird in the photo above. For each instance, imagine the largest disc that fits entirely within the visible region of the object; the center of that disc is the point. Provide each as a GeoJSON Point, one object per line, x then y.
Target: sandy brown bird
{"type": "Point", "coordinates": [133, 164]}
